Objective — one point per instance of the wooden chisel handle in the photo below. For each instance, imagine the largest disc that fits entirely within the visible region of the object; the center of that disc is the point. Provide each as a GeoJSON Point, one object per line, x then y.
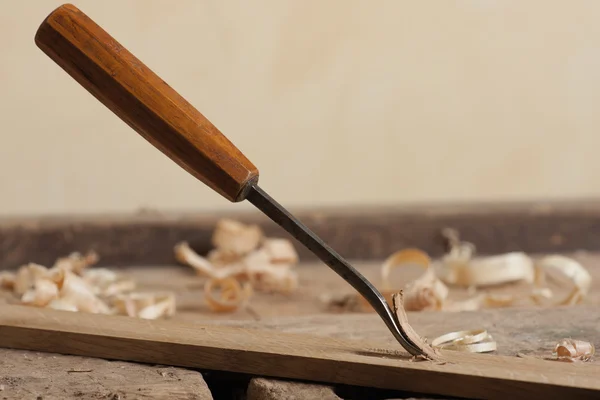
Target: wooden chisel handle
{"type": "Point", "coordinates": [146, 103]}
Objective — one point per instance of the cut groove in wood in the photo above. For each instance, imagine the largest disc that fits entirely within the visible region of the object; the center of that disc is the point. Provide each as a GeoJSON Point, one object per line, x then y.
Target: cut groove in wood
{"type": "Point", "coordinates": [273, 354]}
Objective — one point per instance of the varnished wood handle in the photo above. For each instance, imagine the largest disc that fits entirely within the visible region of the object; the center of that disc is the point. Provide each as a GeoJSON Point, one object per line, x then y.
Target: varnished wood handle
{"type": "Point", "coordinates": [140, 98]}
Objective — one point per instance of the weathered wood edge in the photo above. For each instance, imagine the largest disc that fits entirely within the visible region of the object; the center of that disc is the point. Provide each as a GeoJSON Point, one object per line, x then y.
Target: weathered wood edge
{"type": "Point", "coordinates": [290, 356]}
{"type": "Point", "coordinates": [147, 238]}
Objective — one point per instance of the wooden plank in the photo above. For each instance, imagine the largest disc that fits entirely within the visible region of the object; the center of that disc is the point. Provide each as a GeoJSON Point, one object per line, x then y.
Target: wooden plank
{"type": "Point", "coordinates": [532, 331]}
{"type": "Point", "coordinates": [48, 376]}
{"type": "Point", "coordinates": [274, 389]}
{"type": "Point", "coordinates": [282, 355]}
{"type": "Point", "coordinates": [357, 233]}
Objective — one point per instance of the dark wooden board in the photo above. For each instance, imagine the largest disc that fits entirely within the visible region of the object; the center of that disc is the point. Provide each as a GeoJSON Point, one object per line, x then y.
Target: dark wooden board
{"type": "Point", "coordinates": [356, 233]}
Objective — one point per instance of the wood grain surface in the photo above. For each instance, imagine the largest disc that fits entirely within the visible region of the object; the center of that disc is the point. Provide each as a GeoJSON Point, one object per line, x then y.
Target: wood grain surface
{"type": "Point", "coordinates": [48, 376]}
{"type": "Point", "coordinates": [531, 331]}
{"type": "Point", "coordinates": [147, 238]}
{"type": "Point", "coordinates": [144, 101]}
{"type": "Point", "coordinates": [285, 355]}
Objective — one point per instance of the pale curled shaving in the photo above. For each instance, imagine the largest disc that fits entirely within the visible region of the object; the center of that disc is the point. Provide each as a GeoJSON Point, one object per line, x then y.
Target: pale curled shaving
{"type": "Point", "coordinates": [185, 255]}
{"type": "Point", "coordinates": [243, 253]}
{"type": "Point", "coordinates": [473, 341]}
{"type": "Point", "coordinates": [237, 238]}
{"type": "Point", "coordinates": [145, 305]}
{"type": "Point", "coordinates": [472, 304]}
{"type": "Point", "coordinates": [76, 262]}
{"type": "Point", "coordinates": [7, 280]}
{"type": "Point", "coordinates": [256, 267]}
{"type": "Point", "coordinates": [427, 351]}
{"type": "Point", "coordinates": [486, 271]}
{"type": "Point", "coordinates": [26, 277]}
{"type": "Point", "coordinates": [266, 276]}
{"type": "Point", "coordinates": [570, 350]}
{"type": "Point", "coordinates": [71, 286]}
{"type": "Point", "coordinates": [231, 294]}
{"type": "Point", "coordinates": [76, 291]}
{"type": "Point", "coordinates": [62, 304]}
{"type": "Point", "coordinates": [565, 272]}
{"type": "Point", "coordinates": [42, 293]}
{"type": "Point", "coordinates": [425, 293]}
{"type": "Point", "coordinates": [280, 251]}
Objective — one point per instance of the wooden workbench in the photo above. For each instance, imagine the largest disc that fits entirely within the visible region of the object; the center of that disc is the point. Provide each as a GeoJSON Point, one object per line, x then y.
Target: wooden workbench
{"type": "Point", "coordinates": [526, 330]}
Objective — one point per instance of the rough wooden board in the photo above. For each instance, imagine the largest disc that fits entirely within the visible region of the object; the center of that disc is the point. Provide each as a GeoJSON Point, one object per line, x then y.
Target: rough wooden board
{"type": "Point", "coordinates": [531, 331]}
{"type": "Point", "coordinates": [357, 233]}
{"type": "Point", "coordinates": [275, 389]}
{"type": "Point", "coordinates": [316, 278]}
{"type": "Point", "coordinates": [47, 376]}
{"type": "Point", "coordinates": [285, 355]}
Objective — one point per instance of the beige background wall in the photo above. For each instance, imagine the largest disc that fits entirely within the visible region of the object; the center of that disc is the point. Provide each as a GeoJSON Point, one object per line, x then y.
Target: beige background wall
{"type": "Point", "coordinates": [336, 102]}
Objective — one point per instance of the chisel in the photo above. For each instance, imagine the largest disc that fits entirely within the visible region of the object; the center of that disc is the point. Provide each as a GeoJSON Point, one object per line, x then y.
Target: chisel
{"type": "Point", "coordinates": [165, 119]}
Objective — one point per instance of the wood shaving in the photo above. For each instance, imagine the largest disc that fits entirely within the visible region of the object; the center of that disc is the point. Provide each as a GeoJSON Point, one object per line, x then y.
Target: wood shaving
{"type": "Point", "coordinates": [569, 350]}
{"type": "Point", "coordinates": [429, 293]}
{"type": "Point", "coordinates": [244, 254]}
{"type": "Point", "coordinates": [280, 251]}
{"type": "Point", "coordinates": [472, 304]}
{"type": "Point", "coordinates": [76, 262]}
{"type": "Point", "coordinates": [7, 280]}
{"type": "Point", "coordinates": [567, 273]}
{"type": "Point", "coordinates": [473, 341]}
{"type": "Point", "coordinates": [428, 352]}
{"type": "Point", "coordinates": [26, 277]}
{"type": "Point", "coordinates": [486, 271]}
{"type": "Point", "coordinates": [62, 304]}
{"type": "Point", "coordinates": [146, 305]}
{"type": "Point", "coordinates": [236, 238]}
{"type": "Point", "coordinates": [425, 293]}
{"type": "Point", "coordinates": [232, 295]}
{"type": "Point", "coordinates": [76, 291]}
{"type": "Point", "coordinates": [70, 285]}
{"type": "Point", "coordinates": [42, 293]}
{"type": "Point", "coordinates": [267, 276]}
{"type": "Point", "coordinates": [460, 266]}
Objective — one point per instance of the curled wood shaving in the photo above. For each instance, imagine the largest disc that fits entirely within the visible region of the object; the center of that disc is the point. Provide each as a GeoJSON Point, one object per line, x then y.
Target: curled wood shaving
{"type": "Point", "coordinates": [570, 350]}
{"type": "Point", "coordinates": [26, 277]}
{"type": "Point", "coordinates": [460, 266]}
{"type": "Point", "coordinates": [473, 341]}
{"type": "Point", "coordinates": [237, 238]}
{"type": "Point", "coordinates": [565, 272]}
{"type": "Point", "coordinates": [70, 285]}
{"type": "Point", "coordinates": [244, 254]}
{"type": "Point", "coordinates": [185, 255]}
{"type": "Point", "coordinates": [425, 293]}
{"type": "Point", "coordinates": [487, 271]}
{"type": "Point", "coordinates": [280, 251]}
{"type": "Point", "coordinates": [62, 304]}
{"type": "Point", "coordinates": [42, 293]}
{"type": "Point", "coordinates": [7, 280]}
{"type": "Point", "coordinates": [266, 276]}
{"type": "Point", "coordinates": [106, 283]}
{"type": "Point", "coordinates": [472, 304]}
{"type": "Point", "coordinates": [231, 297]}
{"type": "Point", "coordinates": [427, 352]}
{"type": "Point", "coordinates": [76, 291]}
{"type": "Point", "coordinates": [146, 305]}
{"type": "Point", "coordinates": [76, 262]}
